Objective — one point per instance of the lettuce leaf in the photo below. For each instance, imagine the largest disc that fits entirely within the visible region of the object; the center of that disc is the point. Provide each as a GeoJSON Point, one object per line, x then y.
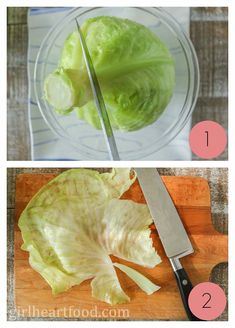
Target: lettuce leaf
{"type": "Point", "coordinates": [74, 223]}
{"type": "Point", "coordinates": [145, 284]}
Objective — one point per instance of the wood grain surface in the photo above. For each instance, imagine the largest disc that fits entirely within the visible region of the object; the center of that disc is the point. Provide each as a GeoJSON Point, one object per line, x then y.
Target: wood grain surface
{"type": "Point", "coordinates": [209, 34]}
{"type": "Point", "coordinates": [191, 196]}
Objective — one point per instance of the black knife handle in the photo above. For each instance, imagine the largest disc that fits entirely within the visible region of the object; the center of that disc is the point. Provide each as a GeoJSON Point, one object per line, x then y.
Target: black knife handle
{"type": "Point", "coordinates": [185, 287]}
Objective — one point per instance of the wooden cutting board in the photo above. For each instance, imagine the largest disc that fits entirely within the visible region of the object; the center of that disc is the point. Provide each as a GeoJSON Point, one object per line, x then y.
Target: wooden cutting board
{"type": "Point", "coordinates": [191, 196]}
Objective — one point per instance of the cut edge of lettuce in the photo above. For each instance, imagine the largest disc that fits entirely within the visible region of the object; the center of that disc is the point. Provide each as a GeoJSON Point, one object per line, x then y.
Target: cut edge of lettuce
{"type": "Point", "coordinates": [60, 91]}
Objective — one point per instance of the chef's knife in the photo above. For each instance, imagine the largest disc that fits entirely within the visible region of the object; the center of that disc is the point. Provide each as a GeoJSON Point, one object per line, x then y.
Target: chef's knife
{"type": "Point", "coordinates": [99, 101]}
{"type": "Point", "coordinates": [170, 229]}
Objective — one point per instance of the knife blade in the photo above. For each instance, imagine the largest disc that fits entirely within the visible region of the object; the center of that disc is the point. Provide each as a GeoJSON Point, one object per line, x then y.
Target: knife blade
{"type": "Point", "coordinates": [99, 100]}
{"type": "Point", "coordinates": [170, 228]}
{"type": "Point", "coordinates": [165, 216]}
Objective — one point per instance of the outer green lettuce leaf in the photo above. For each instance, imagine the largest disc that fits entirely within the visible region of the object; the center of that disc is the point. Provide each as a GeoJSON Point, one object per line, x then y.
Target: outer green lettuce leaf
{"type": "Point", "coordinates": [134, 67]}
{"type": "Point", "coordinates": [75, 222]}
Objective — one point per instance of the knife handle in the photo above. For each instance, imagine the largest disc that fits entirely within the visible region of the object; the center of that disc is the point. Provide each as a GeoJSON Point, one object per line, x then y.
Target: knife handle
{"type": "Point", "coordinates": [185, 287]}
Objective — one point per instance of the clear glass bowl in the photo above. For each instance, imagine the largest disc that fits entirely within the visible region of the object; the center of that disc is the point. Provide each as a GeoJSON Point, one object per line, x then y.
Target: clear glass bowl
{"type": "Point", "coordinates": [88, 141]}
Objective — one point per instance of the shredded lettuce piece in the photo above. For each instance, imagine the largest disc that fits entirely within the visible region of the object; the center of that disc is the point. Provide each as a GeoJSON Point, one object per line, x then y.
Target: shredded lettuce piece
{"type": "Point", "coordinates": [75, 222]}
{"type": "Point", "coordinates": [144, 283]}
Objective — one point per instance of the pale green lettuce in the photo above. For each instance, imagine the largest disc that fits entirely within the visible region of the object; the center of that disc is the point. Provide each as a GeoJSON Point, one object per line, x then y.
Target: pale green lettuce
{"type": "Point", "coordinates": [134, 67]}
{"type": "Point", "coordinates": [74, 223]}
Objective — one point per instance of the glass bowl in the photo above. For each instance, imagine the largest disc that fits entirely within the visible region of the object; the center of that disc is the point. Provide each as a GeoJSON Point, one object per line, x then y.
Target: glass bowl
{"type": "Point", "coordinates": [89, 142]}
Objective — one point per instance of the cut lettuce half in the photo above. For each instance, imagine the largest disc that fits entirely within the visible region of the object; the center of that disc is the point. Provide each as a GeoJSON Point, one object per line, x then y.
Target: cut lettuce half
{"type": "Point", "coordinates": [74, 223]}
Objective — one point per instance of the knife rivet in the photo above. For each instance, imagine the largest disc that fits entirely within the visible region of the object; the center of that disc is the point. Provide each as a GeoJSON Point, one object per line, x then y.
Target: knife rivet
{"type": "Point", "coordinates": [184, 282]}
